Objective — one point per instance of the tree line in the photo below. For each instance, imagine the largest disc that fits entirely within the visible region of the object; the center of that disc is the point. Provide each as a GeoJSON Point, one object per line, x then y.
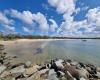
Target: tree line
{"type": "Point", "coordinates": [18, 36]}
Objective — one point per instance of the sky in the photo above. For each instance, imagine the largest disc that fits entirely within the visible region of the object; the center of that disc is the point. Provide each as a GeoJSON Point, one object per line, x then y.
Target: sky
{"type": "Point", "coordinates": [50, 17]}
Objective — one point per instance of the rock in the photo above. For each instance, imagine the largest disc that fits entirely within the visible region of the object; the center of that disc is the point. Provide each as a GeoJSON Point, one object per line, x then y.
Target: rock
{"type": "Point", "coordinates": [98, 69]}
{"type": "Point", "coordinates": [2, 68]}
{"type": "Point", "coordinates": [74, 63]}
{"type": "Point", "coordinates": [83, 73]}
{"type": "Point", "coordinates": [19, 69]}
{"type": "Point", "coordinates": [72, 70]}
{"type": "Point", "coordinates": [82, 65]}
{"type": "Point", "coordinates": [59, 63]}
{"type": "Point", "coordinates": [28, 64]}
{"type": "Point", "coordinates": [60, 74]}
{"type": "Point", "coordinates": [69, 76]}
{"type": "Point", "coordinates": [44, 73]}
{"type": "Point", "coordinates": [39, 75]}
{"type": "Point", "coordinates": [56, 65]}
{"type": "Point", "coordinates": [98, 75]}
{"type": "Point", "coordinates": [8, 78]}
{"type": "Point", "coordinates": [31, 70]}
{"type": "Point", "coordinates": [4, 74]}
{"type": "Point", "coordinates": [52, 75]}
{"type": "Point", "coordinates": [83, 78]}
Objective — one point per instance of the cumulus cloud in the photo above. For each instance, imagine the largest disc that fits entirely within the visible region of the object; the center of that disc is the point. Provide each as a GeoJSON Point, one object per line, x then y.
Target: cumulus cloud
{"type": "Point", "coordinates": [68, 27]}
{"type": "Point", "coordinates": [71, 27]}
{"type": "Point", "coordinates": [93, 16]}
{"type": "Point", "coordinates": [63, 6]}
{"type": "Point", "coordinates": [30, 18]}
{"type": "Point", "coordinates": [7, 23]}
{"type": "Point", "coordinates": [77, 10]}
{"type": "Point", "coordinates": [25, 16]}
{"type": "Point", "coordinates": [5, 20]}
{"type": "Point", "coordinates": [53, 25]}
{"type": "Point", "coordinates": [41, 20]}
{"type": "Point", "coordinates": [66, 8]}
{"type": "Point", "coordinates": [30, 31]}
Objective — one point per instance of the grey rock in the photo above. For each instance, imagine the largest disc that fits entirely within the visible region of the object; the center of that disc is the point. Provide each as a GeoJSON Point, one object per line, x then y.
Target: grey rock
{"type": "Point", "coordinates": [83, 73]}
{"type": "Point", "coordinates": [19, 69]}
{"type": "Point", "coordinates": [83, 78]}
{"type": "Point", "coordinates": [98, 74]}
{"type": "Point", "coordinates": [2, 68]}
{"type": "Point", "coordinates": [74, 63]}
{"type": "Point", "coordinates": [28, 64]}
{"type": "Point", "coordinates": [31, 70]}
{"type": "Point", "coordinates": [52, 75]}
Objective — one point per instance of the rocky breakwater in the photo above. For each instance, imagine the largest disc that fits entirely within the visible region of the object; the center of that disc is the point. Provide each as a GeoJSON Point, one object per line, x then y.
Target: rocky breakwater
{"type": "Point", "coordinates": [56, 69]}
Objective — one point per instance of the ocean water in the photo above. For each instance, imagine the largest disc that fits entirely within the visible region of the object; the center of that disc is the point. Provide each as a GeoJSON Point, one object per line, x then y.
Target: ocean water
{"type": "Point", "coordinates": [83, 51]}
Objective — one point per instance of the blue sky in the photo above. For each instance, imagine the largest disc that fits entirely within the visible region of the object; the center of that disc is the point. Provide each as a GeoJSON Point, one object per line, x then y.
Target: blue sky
{"type": "Point", "coordinates": [50, 17]}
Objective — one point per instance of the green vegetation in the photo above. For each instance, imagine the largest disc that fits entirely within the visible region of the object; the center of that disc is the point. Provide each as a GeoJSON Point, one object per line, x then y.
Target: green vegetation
{"type": "Point", "coordinates": [17, 36]}
{"type": "Point", "coordinates": [1, 36]}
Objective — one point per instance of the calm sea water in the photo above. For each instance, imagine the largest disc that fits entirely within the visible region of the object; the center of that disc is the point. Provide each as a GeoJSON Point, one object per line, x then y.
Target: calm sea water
{"type": "Point", "coordinates": [83, 51]}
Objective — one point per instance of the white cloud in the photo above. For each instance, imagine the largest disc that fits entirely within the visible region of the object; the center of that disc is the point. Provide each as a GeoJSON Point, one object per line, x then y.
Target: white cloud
{"type": "Point", "coordinates": [71, 27]}
{"type": "Point", "coordinates": [77, 10]}
{"type": "Point", "coordinates": [67, 27]}
{"type": "Point", "coordinates": [66, 8]}
{"type": "Point", "coordinates": [25, 16]}
{"type": "Point", "coordinates": [11, 28]}
{"type": "Point", "coordinates": [93, 16]}
{"type": "Point", "coordinates": [63, 6]}
{"type": "Point", "coordinates": [53, 25]}
{"type": "Point", "coordinates": [7, 23]}
{"type": "Point", "coordinates": [41, 20]}
{"type": "Point", "coordinates": [31, 18]}
{"type": "Point", "coordinates": [30, 31]}
{"type": "Point", "coordinates": [5, 20]}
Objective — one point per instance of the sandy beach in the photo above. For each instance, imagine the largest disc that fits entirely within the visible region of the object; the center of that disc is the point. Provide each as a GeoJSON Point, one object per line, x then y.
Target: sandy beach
{"type": "Point", "coordinates": [27, 40]}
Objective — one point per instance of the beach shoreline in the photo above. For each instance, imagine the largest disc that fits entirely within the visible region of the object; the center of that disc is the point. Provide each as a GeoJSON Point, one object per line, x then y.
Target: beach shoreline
{"type": "Point", "coordinates": [28, 40]}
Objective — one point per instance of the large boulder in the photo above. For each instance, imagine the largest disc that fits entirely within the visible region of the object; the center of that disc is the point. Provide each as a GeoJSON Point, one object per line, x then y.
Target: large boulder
{"type": "Point", "coordinates": [31, 70]}
{"type": "Point", "coordinates": [98, 75]}
{"type": "Point", "coordinates": [52, 75]}
{"type": "Point", "coordinates": [2, 68]}
{"type": "Point", "coordinates": [83, 73]}
{"type": "Point", "coordinates": [68, 69]}
{"type": "Point", "coordinates": [4, 74]}
{"type": "Point", "coordinates": [19, 69]}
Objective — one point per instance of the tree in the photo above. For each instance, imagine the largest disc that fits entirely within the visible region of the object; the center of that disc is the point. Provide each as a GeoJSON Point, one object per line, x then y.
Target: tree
{"type": "Point", "coordinates": [1, 36]}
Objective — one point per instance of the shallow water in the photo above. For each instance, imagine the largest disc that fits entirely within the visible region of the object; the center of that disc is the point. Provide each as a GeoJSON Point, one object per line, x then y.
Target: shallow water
{"type": "Point", "coordinates": [84, 51]}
